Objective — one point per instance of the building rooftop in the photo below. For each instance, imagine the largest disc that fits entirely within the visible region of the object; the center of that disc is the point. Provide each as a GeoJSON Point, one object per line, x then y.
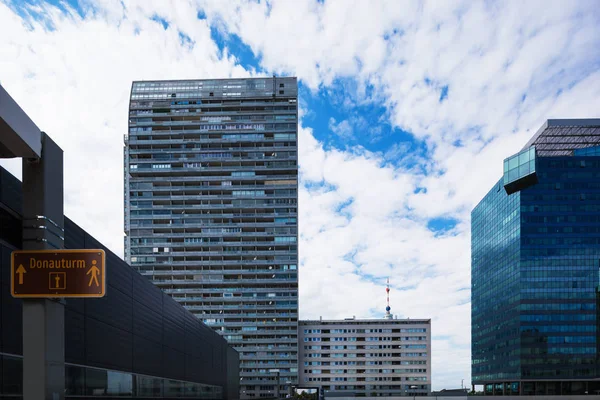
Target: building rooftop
{"type": "Point", "coordinates": [365, 321]}
{"type": "Point", "coordinates": [560, 137]}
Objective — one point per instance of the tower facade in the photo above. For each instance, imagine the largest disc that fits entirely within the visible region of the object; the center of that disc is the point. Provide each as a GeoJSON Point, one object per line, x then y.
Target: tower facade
{"type": "Point", "coordinates": [535, 267]}
{"type": "Point", "coordinates": [211, 195]}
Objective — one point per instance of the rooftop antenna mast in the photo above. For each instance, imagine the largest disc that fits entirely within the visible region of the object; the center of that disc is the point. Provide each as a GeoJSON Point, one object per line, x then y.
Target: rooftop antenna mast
{"type": "Point", "coordinates": [388, 308]}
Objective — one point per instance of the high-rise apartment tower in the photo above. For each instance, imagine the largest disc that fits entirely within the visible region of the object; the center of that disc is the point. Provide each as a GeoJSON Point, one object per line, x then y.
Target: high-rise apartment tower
{"type": "Point", "coordinates": [211, 193]}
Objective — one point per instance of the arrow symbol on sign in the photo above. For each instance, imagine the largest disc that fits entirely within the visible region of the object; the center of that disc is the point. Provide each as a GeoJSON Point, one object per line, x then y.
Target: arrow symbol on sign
{"type": "Point", "coordinates": [20, 271]}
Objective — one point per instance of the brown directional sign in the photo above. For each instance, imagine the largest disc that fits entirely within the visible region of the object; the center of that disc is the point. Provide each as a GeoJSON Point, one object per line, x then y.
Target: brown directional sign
{"type": "Point", "coordinates": [57, 273]}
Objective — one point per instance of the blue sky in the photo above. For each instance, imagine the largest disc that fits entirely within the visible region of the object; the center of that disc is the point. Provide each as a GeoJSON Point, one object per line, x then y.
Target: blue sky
{"type": "Point", "coordinates": [407, 111]}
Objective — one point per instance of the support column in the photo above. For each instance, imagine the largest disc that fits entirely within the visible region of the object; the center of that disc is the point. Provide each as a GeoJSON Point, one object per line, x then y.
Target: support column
{"type": "Point", "coordinates": [43, 319]}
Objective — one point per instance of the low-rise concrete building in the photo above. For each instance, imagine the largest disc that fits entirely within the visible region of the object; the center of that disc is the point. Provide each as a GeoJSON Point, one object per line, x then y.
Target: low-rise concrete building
{"type": "Point", "coordinates": [366, 357]}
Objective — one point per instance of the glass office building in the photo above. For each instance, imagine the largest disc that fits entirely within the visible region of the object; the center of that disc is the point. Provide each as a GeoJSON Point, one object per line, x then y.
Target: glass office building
{"type": "Point", "coordinates": [211, 196]}
{"type": "Point", "coordinates": [535, 267]}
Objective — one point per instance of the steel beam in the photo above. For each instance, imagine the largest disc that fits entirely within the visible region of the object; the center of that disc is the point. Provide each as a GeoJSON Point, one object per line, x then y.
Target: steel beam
{"type": "Point", "coordinates": [43, 319]}
{"type": "Point", "coordinates": [19, 136]}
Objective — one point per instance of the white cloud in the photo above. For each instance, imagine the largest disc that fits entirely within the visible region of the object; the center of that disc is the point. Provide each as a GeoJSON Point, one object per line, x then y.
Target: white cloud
{"type": "Point", "coordinates": [343, 129]}
{"type": "Point", "coordinates": [74, 82]}
{"type": "Point", "coordinates": [361, 218]}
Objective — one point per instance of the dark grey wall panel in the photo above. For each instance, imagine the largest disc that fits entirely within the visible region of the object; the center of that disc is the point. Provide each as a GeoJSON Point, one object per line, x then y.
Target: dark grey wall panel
{"type": "Point", "coordinates": [147, 323]}
{"type": "Point", "coordinates": [172, 309]}
{"type": "Point", "coordinates": [193, 370]}
{"type": "Point", "coordinates": [173, 334]}
{"type": "Point", "coordinates": [75, 336]}
{"type": "Point", "coordinates": [144, 291]}
{"type": "Point", "coordinates": [77, 305]}
{"type": "Point", "coordinates": [76, 237]}
{"type": "Point", "coordinates": [12, 322]}
{"type": "Point", "coordinates": [90, 242]}
{"type": "Point", "coordinates": [114, 308]}
{"type": "Point", "coordinates": [193, 343]}
{"type": "Point", "coordinates": [147, 357]}
{"type": "Point", "coordinates": [107, 346]}
{"type": "Point", "coordinates": [174, 363]}
{"type": "Point", "coordinates": [5, 259]}
{"type": "Point", "coordinates": [118, 274]}
{"type": "Point", "coordinates": [233, 373]}
{"type": "Point", "coordinates": [10, 191]}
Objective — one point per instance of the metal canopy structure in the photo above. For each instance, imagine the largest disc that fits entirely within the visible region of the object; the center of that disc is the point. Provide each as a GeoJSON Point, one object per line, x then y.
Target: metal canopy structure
{"type": "Point", "coordinates": [19, 135]}
{"type": "Point", "coordinates": [560, 137]}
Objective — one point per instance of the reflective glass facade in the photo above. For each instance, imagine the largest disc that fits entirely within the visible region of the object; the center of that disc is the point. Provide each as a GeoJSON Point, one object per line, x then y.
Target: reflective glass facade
{"type": "Point", "coordinates": [535, 277]}
{"type": "Point", "coordinates": [519, 171]}
{"type": "Point", "coordinates": [495, 252]}
{"type": "Point", "coordinates": [211, 211]}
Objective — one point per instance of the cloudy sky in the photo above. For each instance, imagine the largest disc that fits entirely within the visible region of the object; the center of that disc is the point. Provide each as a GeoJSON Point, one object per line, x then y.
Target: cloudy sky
{"type": "Point", "coordinates": [407, 110]}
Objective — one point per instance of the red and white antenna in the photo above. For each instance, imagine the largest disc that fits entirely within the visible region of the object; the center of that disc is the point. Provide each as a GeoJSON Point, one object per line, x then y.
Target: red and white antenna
{"type": "Point", "coordinates": [388, 308]}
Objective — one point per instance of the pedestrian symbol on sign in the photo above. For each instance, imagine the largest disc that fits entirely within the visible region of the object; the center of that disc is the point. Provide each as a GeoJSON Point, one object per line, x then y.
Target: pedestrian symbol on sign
{"type": "Point", "coordinates": [95, 272]}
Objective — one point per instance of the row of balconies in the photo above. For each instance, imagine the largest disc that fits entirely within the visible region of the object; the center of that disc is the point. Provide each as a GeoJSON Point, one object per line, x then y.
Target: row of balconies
{"type": "Point", "coordinates": [190, 147]}
{"type": "Point", "coordinates": [248, 279]}
{"type": "Point", "coordinates": [191, 211]}
{"type": "Point", "coordinates": [363, 356]}
{"type": "Point", "coordinates": [216, 253]}
{"type": "Point", "coordinates": [225, 241]}
{"type": "Point", "coordinates": [198, 270]}
{"type": "Point", "coordinates": [209, 193]}
{"type": "Point", "coordinates": [267, 339]}
{"type": "Point", "coordinates": [207, 108]}
{"type": "Point", "coordinates": [247, 300]}
{"type": "Point", "coordinates": [163, 226]}
{"type": "Point", "coordinates": [282, 334]}
{"type": "Point", "coordinates": [222, 260]}
{"type": "Point", "coordinates": [257, 323]}
{"type": "Point", "coordinates": [181, 191]}
{"type": "Point", "coordinates": [195, 115]}
{"type": "Point", "coordinates": [271, 347]}
{"type": "Point", "coordinates": [291, 194]}
{"type": "Point", "coordinates": [142, 264]}
{"type": "Point", "coordinates": [153, 183]}
{"type": "Point", "coordinates": [196, 217]}
{"type": "Point", "coordinates": [228, 274]}
{"type": "Point", "coordinates": [240, 203]}
{"type": "Point", "coordinates": [277, 229]}
{"type": "Point", "coordinates": [245, 282]}
{"type": "Point", "coordinates": [291, 141]}
{"type": "Point", "coordinates": [247, 304]}
{"type": "Point", "coordinates": [202, 163]}
{"type": "Point", "coordinates": [242, 240]}
{"type": "Point", "coordinates": [289, 292]}
{"type": "Point", "coordinates": [196, 157]}
{"type": "Point", "coordinates": [177, 171]}
{"type": "Point", "coordinates": [206, 150]}
{"type": "Point", "coordinates": [253, 315]}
